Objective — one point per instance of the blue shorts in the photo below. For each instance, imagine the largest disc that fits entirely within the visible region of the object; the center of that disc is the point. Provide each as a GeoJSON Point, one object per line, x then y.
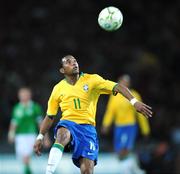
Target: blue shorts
{"type": "Point", "coordinates": [124, 137]}
{"type": "Point", "coordinates": [84, 142]}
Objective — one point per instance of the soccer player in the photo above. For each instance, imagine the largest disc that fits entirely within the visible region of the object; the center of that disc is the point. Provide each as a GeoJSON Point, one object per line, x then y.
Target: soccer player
{"type": "Point", "coordinates": [26, 117]}
{"type": "Point", "coordinates": [77, 95]}
{"type": "Point", "coordinates": [125, 119]}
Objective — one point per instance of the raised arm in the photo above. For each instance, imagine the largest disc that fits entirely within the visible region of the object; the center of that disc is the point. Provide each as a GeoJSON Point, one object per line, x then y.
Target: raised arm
{"type": "Point", "coordinates": [139, 106]}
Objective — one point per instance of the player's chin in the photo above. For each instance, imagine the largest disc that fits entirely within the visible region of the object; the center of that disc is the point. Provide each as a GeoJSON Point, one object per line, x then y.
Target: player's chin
{"type": "Point", "coordinates": [75, 71]}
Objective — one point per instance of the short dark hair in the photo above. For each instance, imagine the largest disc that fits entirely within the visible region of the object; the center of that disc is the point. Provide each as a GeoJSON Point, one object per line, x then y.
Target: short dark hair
{"type": "Point", "coordinates": [66, 56]}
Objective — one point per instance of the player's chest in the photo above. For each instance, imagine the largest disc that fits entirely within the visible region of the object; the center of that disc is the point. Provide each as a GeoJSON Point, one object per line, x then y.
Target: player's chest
{"type": "Point", "coordinates": [24, 112]}
{"type": "Point", "coordinates": [80, 90]}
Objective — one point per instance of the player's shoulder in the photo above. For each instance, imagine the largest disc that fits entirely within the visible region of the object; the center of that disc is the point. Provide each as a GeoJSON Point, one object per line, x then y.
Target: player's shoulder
{"type": "Point", "coordinates": [93, 78]}
{"type": "Point", "coordinates": [135, 93]}
{"type": "Point", "coordinates": [59, 84]}
{"type": "Point", "coordinates": [35, 104]}
{"type": "Point", "coordinates": [87, 75]}
{"type": "Point", "coordinates": [17, 105]}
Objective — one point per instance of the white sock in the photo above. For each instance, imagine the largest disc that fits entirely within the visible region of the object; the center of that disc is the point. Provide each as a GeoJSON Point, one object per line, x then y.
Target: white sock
{"type": "Point", "coordinates": [130, 166]}
{"type": "Point", "coordinates": [55, 156]}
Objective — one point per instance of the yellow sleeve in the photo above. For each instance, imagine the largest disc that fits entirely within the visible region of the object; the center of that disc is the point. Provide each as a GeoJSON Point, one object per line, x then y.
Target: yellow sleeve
{"type": "Point", "coordinates": [143, 124]}
{"type": "Point", "coordinates": [142, 121]}
{"type": "Point", "coordinates": [136, 95]}
{"type": "Point", "coordinates": [53, 102]}
{"type": "Point", "coordinates": [110, 112]}
{"type": "Point", "coordinates": [103, 86]}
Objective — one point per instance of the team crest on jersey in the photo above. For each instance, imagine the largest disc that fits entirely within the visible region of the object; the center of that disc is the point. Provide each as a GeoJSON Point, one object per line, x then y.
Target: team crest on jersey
{"type": "Point", "coordinates": [86, 87]}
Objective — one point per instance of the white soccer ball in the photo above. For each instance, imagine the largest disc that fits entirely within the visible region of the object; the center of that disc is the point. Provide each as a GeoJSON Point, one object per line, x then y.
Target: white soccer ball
{"type": "Point", "coordinates": [110, 18]}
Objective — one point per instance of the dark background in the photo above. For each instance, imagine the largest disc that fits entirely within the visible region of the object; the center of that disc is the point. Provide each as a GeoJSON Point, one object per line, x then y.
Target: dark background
{"type": "Point", "coordinates": [35, 35]}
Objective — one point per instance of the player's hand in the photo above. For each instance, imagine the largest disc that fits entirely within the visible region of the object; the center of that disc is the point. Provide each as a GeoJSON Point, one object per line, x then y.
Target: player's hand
{"type": "Point", "coordinates": [38, 147]}
{"type": "Point", "coordinates": [11, 137]}
{"type": "Point", "coordinates": [143, 109]}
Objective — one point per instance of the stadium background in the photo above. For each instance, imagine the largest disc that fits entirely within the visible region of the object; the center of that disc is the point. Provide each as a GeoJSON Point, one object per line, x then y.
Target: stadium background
{"type": "Point", "coordinates": [34, 35]}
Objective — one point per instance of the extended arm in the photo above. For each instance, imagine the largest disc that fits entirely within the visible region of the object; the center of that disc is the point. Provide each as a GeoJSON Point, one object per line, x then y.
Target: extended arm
{"type": "Point", "coordinates": [45, 126]}
{"type": "Point", "coordinates": [139, 106]}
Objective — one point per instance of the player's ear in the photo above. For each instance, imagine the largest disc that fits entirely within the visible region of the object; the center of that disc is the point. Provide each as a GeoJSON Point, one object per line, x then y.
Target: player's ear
{"type": "Point", "coordinates": [61, 70]}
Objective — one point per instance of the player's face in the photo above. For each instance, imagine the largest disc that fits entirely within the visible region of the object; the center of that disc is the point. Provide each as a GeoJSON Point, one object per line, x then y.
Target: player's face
{"type": "Point", "coordinates": [24, 95]}
{"type": "Point", "coordinates": [70, 65]}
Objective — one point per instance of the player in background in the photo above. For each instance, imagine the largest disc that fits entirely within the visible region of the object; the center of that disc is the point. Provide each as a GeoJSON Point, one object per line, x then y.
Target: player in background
{"type": "Point", "coordinates": [77, 97]}
{"type": "Point", "coordinates": [126, 120]}
{"type": "Point", "coordinates": [26, 118]}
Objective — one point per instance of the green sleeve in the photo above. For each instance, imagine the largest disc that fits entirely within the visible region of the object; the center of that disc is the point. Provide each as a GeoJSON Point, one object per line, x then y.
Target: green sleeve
{"type": "Point", "coordinates": [14, 117]}
{"type": "Point", "coordinates": [39, 113]}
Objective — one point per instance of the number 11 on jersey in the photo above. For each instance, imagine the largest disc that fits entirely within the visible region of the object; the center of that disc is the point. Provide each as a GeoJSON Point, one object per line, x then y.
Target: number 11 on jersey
{"type": "Point", "coordinates": [77, 103]}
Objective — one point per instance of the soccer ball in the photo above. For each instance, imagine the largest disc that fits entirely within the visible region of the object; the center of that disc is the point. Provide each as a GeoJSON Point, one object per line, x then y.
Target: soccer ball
{"type": "Point", "coordinates": [110, 18]}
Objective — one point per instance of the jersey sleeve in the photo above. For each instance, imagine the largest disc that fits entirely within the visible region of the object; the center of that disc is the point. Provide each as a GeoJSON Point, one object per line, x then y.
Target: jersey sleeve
{"type": "Point", "coordinates": [110, 112]}
{"type": "Point", "coordinates": [53, 103]}
{"type": "Point", "coordinates": [104, 86]}
{"type": "Point", "coordinates": [142, 121]}
{"type": "Point", "coordinates": [15, 119]}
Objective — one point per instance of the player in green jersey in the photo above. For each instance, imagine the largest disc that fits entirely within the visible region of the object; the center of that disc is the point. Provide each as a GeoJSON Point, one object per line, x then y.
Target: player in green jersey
{"type": "Point", "coordinates": [26, 117]}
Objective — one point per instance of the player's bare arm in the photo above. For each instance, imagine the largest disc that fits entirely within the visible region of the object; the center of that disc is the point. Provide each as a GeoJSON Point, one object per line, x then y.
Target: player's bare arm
{"type": "Point", "coordinates": [11, 133]}
{"type": "Point", "coordinates": [45, 126]}
{"type": "Point", "coordinates": [140, 107]}
{"type": "Point", "coordinates": [47, 141]}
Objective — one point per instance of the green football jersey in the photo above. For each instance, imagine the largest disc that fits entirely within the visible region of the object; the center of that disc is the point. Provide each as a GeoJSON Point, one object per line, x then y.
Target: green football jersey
{"type": "Point", "coordinates": [27, 117]}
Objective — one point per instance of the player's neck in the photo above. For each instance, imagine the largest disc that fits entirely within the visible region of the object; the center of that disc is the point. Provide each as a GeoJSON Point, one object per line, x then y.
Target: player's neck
{"type": "Point", "coordinates": [72, 79]}
{"type": "Point", "coordinates": [25, 103]}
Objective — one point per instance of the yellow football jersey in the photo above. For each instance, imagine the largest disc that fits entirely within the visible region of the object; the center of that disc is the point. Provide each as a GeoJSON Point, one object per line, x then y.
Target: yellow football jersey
{"type": "Point", "coordinates": [122, 113]}
{"type": "Point", "coordinates": [78, 102]}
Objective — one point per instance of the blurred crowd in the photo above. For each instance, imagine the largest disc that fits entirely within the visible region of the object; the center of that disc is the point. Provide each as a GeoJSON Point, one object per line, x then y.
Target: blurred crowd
{"type": "Point", "coordinates": [35, 35]}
